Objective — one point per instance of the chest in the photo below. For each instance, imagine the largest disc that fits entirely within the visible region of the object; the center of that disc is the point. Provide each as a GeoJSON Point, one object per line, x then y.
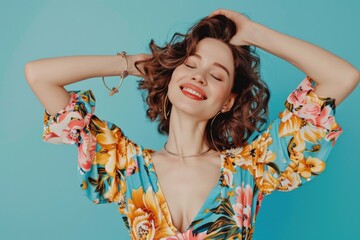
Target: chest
{"type": "Point", "coordinates": [186, 186]}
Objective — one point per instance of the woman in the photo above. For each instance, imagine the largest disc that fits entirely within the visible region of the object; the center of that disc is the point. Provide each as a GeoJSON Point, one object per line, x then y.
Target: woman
{"type": "Point", "coordinates": [205, 90]}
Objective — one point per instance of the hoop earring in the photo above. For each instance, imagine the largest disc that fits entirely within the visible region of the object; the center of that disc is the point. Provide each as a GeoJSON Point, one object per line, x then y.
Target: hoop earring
{"type": "Point", "coordinates": [211, 134]}
{"type": "Point", "coordinates": [164, 107]}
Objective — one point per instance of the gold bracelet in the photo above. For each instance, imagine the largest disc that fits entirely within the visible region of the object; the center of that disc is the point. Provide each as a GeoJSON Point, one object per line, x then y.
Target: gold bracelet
{"type": "Point", "coordinates": [123, 75]}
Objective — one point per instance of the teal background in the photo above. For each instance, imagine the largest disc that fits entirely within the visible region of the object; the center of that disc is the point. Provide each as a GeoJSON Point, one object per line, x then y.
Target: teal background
{"type": "Point", "coordinates": [40, 197]}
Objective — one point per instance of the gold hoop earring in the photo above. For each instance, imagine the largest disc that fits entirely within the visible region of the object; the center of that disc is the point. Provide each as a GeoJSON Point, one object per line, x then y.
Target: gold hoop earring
{"type": "Point", "coordinates": [211, 134]}
{"type": "Point", "coordinates": [164, 107]}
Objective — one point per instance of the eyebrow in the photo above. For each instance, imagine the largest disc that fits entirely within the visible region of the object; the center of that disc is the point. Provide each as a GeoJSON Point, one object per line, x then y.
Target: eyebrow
{"type": "Point", "coordinates": [216, 64]}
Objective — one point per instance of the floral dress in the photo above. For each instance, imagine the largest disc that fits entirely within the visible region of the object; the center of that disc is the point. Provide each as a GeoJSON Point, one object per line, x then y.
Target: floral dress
{"type": "Point", "coordinates": [112, 168]}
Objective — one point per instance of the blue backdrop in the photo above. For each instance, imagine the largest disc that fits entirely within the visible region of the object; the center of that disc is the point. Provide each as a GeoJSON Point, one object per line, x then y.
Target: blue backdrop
{"type": "Point", "coordinates": [40, 197]}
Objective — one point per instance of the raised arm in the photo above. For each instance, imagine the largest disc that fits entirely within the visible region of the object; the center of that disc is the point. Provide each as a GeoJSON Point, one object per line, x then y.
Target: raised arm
{"type": "Point", "coordinates": [101, 145]}
{"type": "Point", "coordinates": [47, 77]}
{"type": "Point", "coordinates": [335, 77]}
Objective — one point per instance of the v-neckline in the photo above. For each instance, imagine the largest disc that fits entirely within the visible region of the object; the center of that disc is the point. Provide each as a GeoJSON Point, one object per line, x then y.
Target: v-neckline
{"type": "Point", "coordinates": [160, 191]}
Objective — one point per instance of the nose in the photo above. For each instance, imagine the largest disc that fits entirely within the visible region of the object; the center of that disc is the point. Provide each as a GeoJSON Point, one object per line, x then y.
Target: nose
{"type": "Point", "coordinates": [199, 77]}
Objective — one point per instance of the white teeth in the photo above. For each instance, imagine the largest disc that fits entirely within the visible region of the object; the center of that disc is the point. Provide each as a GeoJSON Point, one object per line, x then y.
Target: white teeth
{"type": "Point", "coordinates": [193, 92]}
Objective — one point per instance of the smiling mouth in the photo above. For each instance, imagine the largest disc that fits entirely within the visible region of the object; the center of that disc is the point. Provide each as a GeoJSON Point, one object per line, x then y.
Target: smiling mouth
{"type": "Point", "coordinates": [192, 93]}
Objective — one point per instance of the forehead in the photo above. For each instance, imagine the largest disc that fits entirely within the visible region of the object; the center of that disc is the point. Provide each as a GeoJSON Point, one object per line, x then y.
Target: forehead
{"type": "Point", "coordinates": [213, 50]}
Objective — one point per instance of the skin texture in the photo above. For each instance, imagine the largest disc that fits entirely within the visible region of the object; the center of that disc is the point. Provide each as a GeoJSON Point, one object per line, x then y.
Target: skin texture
{"type": "Point", "coordinates": [334, 76]}
{"type": "Point", "coordinates": [187, 124]}
{"type": "Point", "coordinates": [189, 116]}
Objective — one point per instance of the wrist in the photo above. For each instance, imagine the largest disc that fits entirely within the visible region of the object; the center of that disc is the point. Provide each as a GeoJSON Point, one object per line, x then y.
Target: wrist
{"type": "Point", "coordinates": [256, 34]}
{"type": "Point", "coordinates": [126, 62]}
{"type": "Point", "coordinates": [131, 59]}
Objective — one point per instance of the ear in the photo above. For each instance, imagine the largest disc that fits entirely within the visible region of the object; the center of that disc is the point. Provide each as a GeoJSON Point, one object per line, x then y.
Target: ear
{"type": "Point", "coordinates": [229, 102]}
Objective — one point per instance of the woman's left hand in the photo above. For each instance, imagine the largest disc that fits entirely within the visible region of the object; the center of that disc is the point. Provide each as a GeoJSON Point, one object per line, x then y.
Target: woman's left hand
{"type": "Point", "coordinates": [243, 26]}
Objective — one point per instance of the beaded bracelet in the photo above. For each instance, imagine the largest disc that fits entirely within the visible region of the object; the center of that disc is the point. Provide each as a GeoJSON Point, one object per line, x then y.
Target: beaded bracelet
{"type": "Point", "coordinates": [123, 75]}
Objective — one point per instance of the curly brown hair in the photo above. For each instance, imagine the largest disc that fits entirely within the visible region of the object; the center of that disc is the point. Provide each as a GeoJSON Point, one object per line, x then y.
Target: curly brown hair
{"type": "Point", "coordinates": [250, 109]}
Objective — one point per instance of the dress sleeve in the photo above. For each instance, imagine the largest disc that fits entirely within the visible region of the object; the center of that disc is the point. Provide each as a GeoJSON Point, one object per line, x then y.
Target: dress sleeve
{"type": "Point", "coordinates": [105, 154]}
{"type": "Point", "coordinates": [294, 148]}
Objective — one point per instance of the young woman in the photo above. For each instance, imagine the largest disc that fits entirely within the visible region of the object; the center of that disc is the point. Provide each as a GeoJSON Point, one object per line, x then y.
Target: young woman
{"type": "Point", "coordinates": [204, 89]}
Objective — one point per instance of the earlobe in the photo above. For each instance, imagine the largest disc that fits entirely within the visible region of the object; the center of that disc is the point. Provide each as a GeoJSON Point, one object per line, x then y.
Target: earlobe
{"type": "Point", "coordinates": [229, 103]}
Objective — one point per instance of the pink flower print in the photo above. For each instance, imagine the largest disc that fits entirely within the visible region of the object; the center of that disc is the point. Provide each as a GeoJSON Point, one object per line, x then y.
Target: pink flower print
{"type": "Point", "coordinates": [324, 119]}
{"type": "Point", "coordinates": [242, 206]}
{"type": "Point", "coordinates": [86, 151]}
{"type": "Point", "coordinates": [49, 136]}
{"type": "Point", "coordinates": [309, 111]}
{"type": "Point", "coordinates": [298, 96]}
{"type": "Point", "coordinates": [259, 201]}
{"type": "Point", "coordinates": [132, 167]}
{"type": "Point", "coordinates": [73, 100]}
{"type": "Point", "coordinates": [247, 216]}
{"type": "Point", "coordinates": [71, 133]}
{"type": "Point", "coordinates": [333, 135]}
{"type": "Point", "coordinates": [87, 118]}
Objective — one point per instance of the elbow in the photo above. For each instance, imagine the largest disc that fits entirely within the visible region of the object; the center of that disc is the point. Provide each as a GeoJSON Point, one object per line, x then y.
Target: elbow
{"type": "Point", "coordinates": [29, 72]}
{"type": "Point", "coordinates": [354, 77]}
{"type": "Point", "coordinates": [351, 81]}
{"type": "Point", "coordinates": [357, 76]}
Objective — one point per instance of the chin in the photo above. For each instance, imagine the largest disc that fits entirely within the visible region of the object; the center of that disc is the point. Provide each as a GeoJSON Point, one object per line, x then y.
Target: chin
{"type": "Point", "coordinates": [197, 112]}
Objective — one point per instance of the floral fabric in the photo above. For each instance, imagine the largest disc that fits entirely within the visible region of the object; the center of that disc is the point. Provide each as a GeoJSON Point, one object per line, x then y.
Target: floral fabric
{"type": "Point", "coordinates": [112, 168]}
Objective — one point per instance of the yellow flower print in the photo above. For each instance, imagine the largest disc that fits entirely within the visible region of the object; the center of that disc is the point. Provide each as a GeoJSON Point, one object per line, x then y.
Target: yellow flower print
{"type": "Point", "coordinates": [240, 157]}
{"type": "Point", "coordinates": [116, 150]}
{"type": "Point", "coordinates": [228, 178]}
{"type": "Point", "coordinates": [267, 183]}
{"type": "Point", "coordinates": [311, 165]}
{"type": "Point", "coordinates": [260, 154]}
{"type": "Point", "coordinates": [253, 156]}
{"type": "Point", "coordinates": [230, 158]}
{"type": "Point", "coordinates": [107, 154]}
{"type": "Point", "coordinates": [147, 155]}
{"type": "Point", "coordinates": [289, 180]}
{"type": "Point", "coordinates": [113, 194]}
{"type": "Point", "coordinates": [291, 125]}
{"type": "Point", "coordinates": [296, 147]}
{"type": "Point", "coordinates": [145, 216]}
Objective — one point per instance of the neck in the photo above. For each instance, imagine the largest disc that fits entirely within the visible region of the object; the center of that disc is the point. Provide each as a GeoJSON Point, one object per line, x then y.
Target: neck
{"type": "Point", "coordinates": [186, 134]}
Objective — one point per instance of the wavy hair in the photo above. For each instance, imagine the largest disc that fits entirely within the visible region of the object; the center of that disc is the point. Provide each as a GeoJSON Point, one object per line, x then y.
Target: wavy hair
{"type": "Point", "coordinates": [250, 109]}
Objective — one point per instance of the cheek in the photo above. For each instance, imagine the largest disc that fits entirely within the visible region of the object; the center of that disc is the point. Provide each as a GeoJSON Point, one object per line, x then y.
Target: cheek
{"type": "Point", "coordinates": [221, 93]}
{"type": "Point", "coordinates": [172, 87]}
{"type": "Point", "coordinates": [178, 73]}
{"type": "Point", "coordinates": [174, 78]}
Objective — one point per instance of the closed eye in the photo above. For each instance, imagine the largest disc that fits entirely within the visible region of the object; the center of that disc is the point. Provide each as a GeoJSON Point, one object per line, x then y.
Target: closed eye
{"type": "Point", "coordinates": [219, 79]}
{"type": "Point", "coordinates": [189, 66]}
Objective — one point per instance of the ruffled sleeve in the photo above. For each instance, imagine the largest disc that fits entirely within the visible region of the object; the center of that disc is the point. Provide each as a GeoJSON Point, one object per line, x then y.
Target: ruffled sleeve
{"type": "Point", "coordinates": [294, 148]}
{"type": "Point", "coordinates": [105, 154]}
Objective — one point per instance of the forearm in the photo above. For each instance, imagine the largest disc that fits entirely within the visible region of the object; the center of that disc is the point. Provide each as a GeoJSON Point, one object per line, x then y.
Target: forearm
{"type": "Point", "coordinates": [61, 71]}
{"type": "Point", "coordinates": [319, 64]}
{"type": "Point", "coordinates": [47, 77]}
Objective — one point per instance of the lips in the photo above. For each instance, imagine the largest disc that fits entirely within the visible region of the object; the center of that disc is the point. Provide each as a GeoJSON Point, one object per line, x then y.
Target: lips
{"type": "Point", "coordinates": [192, 89]}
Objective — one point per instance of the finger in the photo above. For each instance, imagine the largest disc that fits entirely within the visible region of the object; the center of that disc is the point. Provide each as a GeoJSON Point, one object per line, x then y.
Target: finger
{"type": "Point", "coordinates": [217, 12]}
{"type": "Point", "coordinates": [227, 13]}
